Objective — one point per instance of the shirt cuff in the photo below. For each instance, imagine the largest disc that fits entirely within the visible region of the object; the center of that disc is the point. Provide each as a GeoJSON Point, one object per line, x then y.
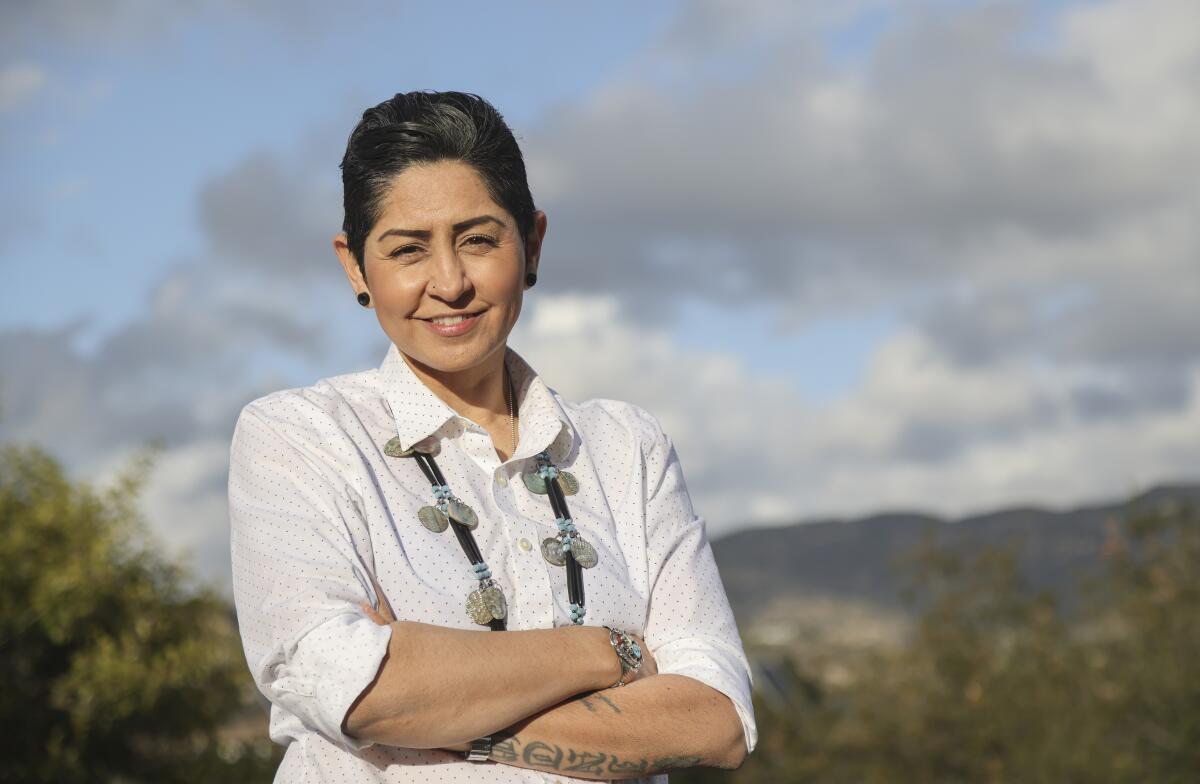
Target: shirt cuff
{"type": "Point", "coordinates": [326, 672]}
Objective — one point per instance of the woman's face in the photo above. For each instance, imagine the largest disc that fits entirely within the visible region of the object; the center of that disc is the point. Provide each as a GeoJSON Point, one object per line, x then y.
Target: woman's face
{"type": "Point", "coordinates": [441, 248]}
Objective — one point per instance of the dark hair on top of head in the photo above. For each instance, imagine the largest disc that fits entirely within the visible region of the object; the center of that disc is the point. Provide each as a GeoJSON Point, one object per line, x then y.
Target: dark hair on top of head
{"type": "Point", "coordinates": [425, 126]}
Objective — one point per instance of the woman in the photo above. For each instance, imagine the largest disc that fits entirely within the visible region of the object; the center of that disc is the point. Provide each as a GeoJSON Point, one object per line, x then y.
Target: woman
{"type": "Point", "coordinates": [443, 571]}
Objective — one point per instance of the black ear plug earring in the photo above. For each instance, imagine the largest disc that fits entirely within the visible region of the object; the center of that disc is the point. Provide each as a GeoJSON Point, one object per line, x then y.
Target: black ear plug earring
{"type": "Point", "coordinates": [364, 298]}
{"type": "Point", "coordinates": [531, 278]}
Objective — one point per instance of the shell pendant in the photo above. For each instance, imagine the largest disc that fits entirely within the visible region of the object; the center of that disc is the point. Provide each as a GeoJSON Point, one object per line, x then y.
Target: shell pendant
{"type": "Point", "coordinates": [460, 513]}
{"type": "Point", "coordinates": [582, 549]}
{"type": "Point", "coordinates": [537, 484]}
{"type": "Point", "coordinates": [552, 551]}
{"type": "Point", "coordinates": [486, 604]}
{"type": "Point", "coordinates": [427, 447]}
{"type": "Point", "coordinates": [584, 553]}
{"type": "Point", "coordinates": [433, 518]}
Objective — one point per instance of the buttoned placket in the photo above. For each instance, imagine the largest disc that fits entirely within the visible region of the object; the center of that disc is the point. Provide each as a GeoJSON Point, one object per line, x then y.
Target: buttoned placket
{"type": "Point", "coordinates": [520, 521]}
{"type": "Point", "coordinates": [531, 605]}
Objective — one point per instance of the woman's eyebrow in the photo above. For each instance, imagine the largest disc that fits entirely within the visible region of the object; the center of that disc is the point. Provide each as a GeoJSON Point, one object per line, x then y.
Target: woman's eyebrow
{"type": "Point", "coordinates": [424, 235]}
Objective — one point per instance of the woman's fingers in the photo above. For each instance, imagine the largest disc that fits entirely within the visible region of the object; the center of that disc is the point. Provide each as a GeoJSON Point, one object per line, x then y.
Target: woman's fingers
{"type": "Point", "coordinates": [374, 615]}
{"type": "Point", "coordinates": [385, 607]}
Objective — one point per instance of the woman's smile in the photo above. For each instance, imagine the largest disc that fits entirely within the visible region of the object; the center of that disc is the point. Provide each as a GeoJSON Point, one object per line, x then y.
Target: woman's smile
{"type": "Point", "coordinates": [451, 326]}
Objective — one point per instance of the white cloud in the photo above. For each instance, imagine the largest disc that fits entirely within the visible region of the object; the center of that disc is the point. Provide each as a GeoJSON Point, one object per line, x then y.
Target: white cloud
{"type": "Point", "coordinates": [117, 25]}
{"type": "Point", "coordinates": [919, 433]}
{"type": "Point", "coordinates": [20, 81]}
{"type": "Point", "coordinates": [1028, 204]}
{"type": "Point", "coordinates": [1029, 209]}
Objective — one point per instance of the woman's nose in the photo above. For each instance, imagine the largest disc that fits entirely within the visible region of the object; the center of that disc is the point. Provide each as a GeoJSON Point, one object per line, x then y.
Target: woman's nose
{"type": "Point", "coordinates": [449, 279]}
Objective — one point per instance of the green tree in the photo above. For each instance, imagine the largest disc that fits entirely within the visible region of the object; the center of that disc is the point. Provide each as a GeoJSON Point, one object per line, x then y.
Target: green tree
{"type": "Point", "coordinates": [115, 667]}
{"type": "Point", "coordinates": [996, 684]}
{"type": "Point", "coordinates": [1144, 639]}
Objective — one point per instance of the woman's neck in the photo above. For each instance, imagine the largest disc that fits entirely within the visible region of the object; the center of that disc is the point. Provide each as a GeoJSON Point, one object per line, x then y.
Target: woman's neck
{"type": "Point", "coordinates": [477, 393]}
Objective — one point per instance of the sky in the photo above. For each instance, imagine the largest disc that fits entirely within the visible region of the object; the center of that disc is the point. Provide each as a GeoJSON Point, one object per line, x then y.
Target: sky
{"type": "Point", "coordinates": [933, 255]}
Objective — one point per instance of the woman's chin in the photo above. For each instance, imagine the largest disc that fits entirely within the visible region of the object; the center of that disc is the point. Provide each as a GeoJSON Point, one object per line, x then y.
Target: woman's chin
{"type": "Point", "coordinates": [448, 359]}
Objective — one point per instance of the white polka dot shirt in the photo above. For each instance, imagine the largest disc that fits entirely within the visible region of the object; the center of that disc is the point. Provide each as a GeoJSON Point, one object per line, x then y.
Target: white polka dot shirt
{"type": "Point", "coordinates": [318, 512]}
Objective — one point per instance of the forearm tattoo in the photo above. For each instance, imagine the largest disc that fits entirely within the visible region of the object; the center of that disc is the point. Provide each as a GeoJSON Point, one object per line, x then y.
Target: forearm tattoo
{"type": "Point", "coordinates": [591, 706]}
{"type": "Point", "coordinates": [508, 748]}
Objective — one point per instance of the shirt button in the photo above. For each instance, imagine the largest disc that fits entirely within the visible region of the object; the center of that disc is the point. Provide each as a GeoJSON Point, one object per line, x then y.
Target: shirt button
{"type": "Point", "coordinates": [525, 545]}
{"type": "Point", "coordinates": [502, 480]}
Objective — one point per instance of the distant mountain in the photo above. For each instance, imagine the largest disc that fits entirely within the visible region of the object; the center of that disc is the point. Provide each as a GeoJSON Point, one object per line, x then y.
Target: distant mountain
{"type": "Point", "coordinates": [856, 561]}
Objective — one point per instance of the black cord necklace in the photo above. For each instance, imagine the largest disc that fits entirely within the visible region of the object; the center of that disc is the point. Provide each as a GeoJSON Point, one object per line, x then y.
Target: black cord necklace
{"type": "Point", "coordinates": [486, 604]}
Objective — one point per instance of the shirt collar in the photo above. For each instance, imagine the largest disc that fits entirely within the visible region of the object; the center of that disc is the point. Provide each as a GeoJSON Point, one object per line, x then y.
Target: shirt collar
{"type": "Point", "coordinates": [419, 413]}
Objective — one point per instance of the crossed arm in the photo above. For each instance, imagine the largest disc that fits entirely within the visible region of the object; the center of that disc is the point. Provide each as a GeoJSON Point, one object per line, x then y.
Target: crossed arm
{"type": "Point", "coordinates": [650, 726]}
{"type": "Point", "coordinates": [544, 696]}
{"type": "Point", "coordinates": [544, 691]}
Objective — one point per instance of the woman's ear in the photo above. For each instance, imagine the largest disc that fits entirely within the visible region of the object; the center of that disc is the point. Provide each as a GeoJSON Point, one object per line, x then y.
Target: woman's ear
{"type": "Point", "coordinates": [349, 264]}
{"type": "Point", "coordinates": [533, 244]}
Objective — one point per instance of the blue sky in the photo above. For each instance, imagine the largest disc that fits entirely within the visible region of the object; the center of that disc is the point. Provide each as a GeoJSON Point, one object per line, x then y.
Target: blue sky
{"type": "Point", "coordinates": [945, 249]}
{"type": "Point", "coordinates": [127, 130]}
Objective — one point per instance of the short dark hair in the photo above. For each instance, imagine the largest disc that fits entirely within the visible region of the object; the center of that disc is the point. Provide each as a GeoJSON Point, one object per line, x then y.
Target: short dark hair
{"type": "Point", "coordinates": [425, 126]}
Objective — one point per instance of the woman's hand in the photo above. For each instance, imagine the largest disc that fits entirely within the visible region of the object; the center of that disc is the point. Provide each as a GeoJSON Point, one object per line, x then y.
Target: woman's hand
{"type": "Point", "coordinates": [384, 616]}
{"type": "Point", "coordinates": [649, 665]}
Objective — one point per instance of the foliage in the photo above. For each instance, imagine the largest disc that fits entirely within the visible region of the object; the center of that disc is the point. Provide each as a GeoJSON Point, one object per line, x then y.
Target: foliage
{"type": "Point", "coordinates": [115, 669]}
{"type": "Point", "coordinates": [997, 685]}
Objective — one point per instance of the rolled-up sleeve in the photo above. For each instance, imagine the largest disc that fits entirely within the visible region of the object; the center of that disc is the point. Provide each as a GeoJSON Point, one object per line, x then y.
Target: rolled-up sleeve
{"type": "Point", "coordinates": [690, 626]}
{"type": "Point", "coordinates": [298, 576]}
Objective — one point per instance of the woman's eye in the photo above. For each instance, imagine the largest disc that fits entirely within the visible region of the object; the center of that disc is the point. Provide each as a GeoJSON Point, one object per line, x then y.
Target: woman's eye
{"type": "Point", "coordinates": [404, 250]}
{"type": "Point", "coordinates": [476, 240]}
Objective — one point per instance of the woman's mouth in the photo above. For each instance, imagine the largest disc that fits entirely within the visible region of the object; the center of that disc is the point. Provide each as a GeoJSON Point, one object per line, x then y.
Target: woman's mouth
{"type": "Point", "coordinates": [449, 326]}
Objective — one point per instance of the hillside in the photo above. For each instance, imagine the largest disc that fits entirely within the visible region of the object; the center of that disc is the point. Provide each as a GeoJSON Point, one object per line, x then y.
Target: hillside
{"type": "Point", "coordinates": [832, 574]}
